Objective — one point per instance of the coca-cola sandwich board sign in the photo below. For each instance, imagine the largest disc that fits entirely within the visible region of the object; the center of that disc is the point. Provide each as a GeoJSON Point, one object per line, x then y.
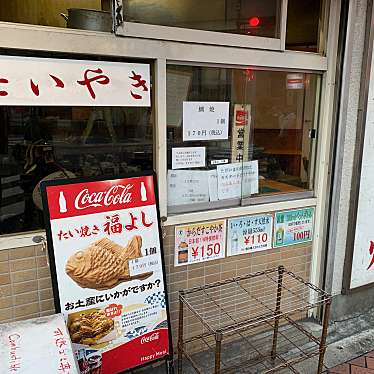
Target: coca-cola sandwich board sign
{"type": "Point", "coordinates": [106, 260]}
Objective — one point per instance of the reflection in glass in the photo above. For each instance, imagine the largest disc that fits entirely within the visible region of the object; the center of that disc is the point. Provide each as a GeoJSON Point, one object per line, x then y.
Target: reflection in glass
{"type": "Point", "coordinates": [256, 18]}
{"type": "Point", "coordinates": [305, 25]}
{"type": "Point", "coordinates": [62, 142]}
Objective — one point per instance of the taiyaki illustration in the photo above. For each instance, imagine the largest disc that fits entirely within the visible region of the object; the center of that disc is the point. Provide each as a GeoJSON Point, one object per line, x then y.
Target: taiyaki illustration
{"type": "Point", "coordinates": [90, 327]}
{"type": "Point", "coordinates": [104, 264]}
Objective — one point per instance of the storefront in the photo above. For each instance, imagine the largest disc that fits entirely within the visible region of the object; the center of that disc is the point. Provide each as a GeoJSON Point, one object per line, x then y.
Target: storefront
{"type": "Point", "coordinates": [240, 124]}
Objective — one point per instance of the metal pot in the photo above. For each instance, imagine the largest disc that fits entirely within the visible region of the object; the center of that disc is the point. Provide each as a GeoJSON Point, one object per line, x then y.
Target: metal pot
{"type": "Point", "coordinates": [88, 19]}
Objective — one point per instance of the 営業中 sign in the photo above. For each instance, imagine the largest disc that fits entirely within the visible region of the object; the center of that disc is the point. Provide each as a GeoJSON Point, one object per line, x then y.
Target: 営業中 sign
{"type": "Point", "coordinates": [107, 268]}
{"type": "Point", "coordinates": [188, 157]}
{"type": "Point", "coordinates": [46, 81]}
{"type": "Point", "coordinates": [249, 234]}
{"type": "Point", "coordinates": [240, 133]}
{"type": "Point", "coordinates": [205, 120]}
{"type": "Point", "coordinates": [293, 227]}
{"type": "Point", "coordinates": [199, 242]}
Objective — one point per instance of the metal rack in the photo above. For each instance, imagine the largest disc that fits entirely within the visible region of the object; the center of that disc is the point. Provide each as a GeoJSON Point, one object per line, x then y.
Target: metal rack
{"type": "Point", "coordinates": [251, 324]}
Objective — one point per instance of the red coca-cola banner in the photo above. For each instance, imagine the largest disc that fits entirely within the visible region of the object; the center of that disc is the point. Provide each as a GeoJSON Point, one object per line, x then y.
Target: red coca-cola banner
{"type": "Point", "coordinates": [149, 347]}
{"type": "Point", "coordinates": [80, 199]}
{"type": "Point", "coordinates": [106, 260]}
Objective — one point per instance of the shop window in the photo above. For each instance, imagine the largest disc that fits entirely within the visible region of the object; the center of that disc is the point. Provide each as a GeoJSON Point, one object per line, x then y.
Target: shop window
{"type": "Point", "coordinates": [78, 14]}
{"type": "Point", "coordinates": [235, 134]}
{"type": "Point", "coordinates": [255, 18]}
{"type": "Point", "coordinates": [305, 25]}
{"type": "Point", "coordinates": [60, 142]}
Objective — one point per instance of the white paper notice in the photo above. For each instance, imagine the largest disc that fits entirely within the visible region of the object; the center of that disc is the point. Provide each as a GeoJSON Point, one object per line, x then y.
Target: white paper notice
{"type": "Point", "coordinates": [141, 265]}
{"type": "Point", "coordinates": [38, 345]}
{"type": "Point", "coordinates": [188, 157]}
{"type": "Point", "coordinates": [213, 185]}
{"type": "Point", "coordinates": [187, 187]}
{"type": "Point", "coordinates": [237, 180]}
{"type": "Point", "coordinates": [205, 120]}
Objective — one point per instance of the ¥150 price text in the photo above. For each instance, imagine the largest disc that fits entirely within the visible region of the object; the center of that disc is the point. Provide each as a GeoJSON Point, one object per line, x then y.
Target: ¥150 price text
{"type": "Point", "coordinates": [206, 250]}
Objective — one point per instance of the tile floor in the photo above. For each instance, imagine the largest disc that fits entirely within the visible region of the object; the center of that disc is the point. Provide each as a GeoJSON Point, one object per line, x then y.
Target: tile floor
{"type": "Point", "coordinates": [360, 365]}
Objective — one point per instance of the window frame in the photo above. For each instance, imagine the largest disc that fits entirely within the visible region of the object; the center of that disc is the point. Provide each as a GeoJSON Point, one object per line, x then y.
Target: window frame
{"type": "Point", "coordinates": [180, 34]}
{"type": "Point", "coordinates": [247, 201]}
{"type": "Point", "coordinates": [51, 39]}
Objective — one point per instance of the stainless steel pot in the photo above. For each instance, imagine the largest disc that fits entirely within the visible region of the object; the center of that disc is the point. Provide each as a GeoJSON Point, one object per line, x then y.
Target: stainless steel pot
{"type": "Point", "coordinates": [88, 19]}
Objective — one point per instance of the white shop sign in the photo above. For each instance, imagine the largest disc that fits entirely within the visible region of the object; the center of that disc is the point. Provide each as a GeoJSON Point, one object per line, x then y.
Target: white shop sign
{"type": "Point", "coordinates": [46, 81]}
{"type": "Point", "coordinates": [205, 120]}
{"type": "Point", "coordinates": [188, 157]}
{"type": "Point", "coordinates": [363, 256]}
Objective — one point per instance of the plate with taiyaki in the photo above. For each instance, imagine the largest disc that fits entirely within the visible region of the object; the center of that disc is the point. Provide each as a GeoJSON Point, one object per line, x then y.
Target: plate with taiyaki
{"type": "Point", "coordinates": [105, 264]}
{"type": "Point", "coordinates": [92, 327]}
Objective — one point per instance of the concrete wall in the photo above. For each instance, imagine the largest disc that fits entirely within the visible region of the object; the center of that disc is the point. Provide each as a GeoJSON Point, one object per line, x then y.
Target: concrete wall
{"type": "Point", "coordinates": [345, 161]}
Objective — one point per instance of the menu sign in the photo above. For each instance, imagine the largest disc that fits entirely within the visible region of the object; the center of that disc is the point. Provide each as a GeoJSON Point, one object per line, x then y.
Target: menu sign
{"type": "Point", "coordinates": [200, 242]}
{"type": "Point", "coordinates": [51, 352]}
{"type": "Point", "coordinates": [106, 262]}
{"type": "Point", "coordinates": [205, 120]}
{"type": "Point", "coordinates": [293, 227]}
{"type": "Point", "coordinates": [249, 234]}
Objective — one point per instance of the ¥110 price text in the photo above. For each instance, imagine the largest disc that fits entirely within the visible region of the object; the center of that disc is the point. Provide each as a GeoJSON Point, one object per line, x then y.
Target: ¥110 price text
{"type": "Point", "coordinates": [256, 239]}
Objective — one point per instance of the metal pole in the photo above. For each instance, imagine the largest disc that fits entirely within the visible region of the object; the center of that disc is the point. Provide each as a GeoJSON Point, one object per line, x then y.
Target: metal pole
{"type": "Point", "coordinates": [277, 311]}
{"type": "Point", "coordinates": [218, 337]}
{"type": "Point", "coordinates": [322, 346]}
{"type": "Point", "coordinates": [180, 334]}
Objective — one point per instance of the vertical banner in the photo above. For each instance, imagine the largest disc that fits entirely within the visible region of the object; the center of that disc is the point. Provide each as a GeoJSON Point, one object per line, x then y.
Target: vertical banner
{"type": "Point", "coordinates": [199, 242]}
{"type": "Point", "coordinates": [240, 133]}
{"type": "Point", "coordinates": [249, 234]}
{"type": "Point", "coordinates": [107, 270]}
{"type": "Point", "coordinates": [293, 227]}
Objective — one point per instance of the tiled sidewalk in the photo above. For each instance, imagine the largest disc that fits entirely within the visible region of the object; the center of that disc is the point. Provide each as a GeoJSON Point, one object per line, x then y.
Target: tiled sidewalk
{"type": "Point", "coordinates": [360, 365]}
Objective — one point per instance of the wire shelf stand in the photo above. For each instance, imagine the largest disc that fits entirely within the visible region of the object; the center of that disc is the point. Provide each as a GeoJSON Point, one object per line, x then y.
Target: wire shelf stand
{"type": "Point", "coordinates": [250, 324]}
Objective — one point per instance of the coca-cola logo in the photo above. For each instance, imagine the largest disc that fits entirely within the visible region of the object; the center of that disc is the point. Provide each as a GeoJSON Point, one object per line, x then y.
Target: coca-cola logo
{"type": "Point", "coordinates": [150, 338]}
{"type": "Point", "coordinates": [117, 194]}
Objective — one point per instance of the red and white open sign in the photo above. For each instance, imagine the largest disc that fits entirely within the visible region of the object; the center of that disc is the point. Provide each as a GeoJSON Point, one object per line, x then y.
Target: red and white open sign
{"type": "Point", "coordinates": [106, 264]}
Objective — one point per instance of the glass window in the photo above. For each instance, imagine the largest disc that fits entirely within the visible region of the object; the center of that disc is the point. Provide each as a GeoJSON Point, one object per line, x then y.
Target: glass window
{"type": "Point", "coordinates": [61, 142]}
{"type": "Point", "coordinates": [305, 25]}
{"type": "Point", "coordinates": [257, 141]}
{"type": "Point", "coordinates": [77, 14]}
{"type": "Point", "coordinates": [256, 18]}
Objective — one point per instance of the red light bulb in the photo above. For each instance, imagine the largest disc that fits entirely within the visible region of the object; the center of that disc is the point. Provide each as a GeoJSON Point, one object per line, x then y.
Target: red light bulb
{"type": "Point", "coordinates": [254, 21]}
